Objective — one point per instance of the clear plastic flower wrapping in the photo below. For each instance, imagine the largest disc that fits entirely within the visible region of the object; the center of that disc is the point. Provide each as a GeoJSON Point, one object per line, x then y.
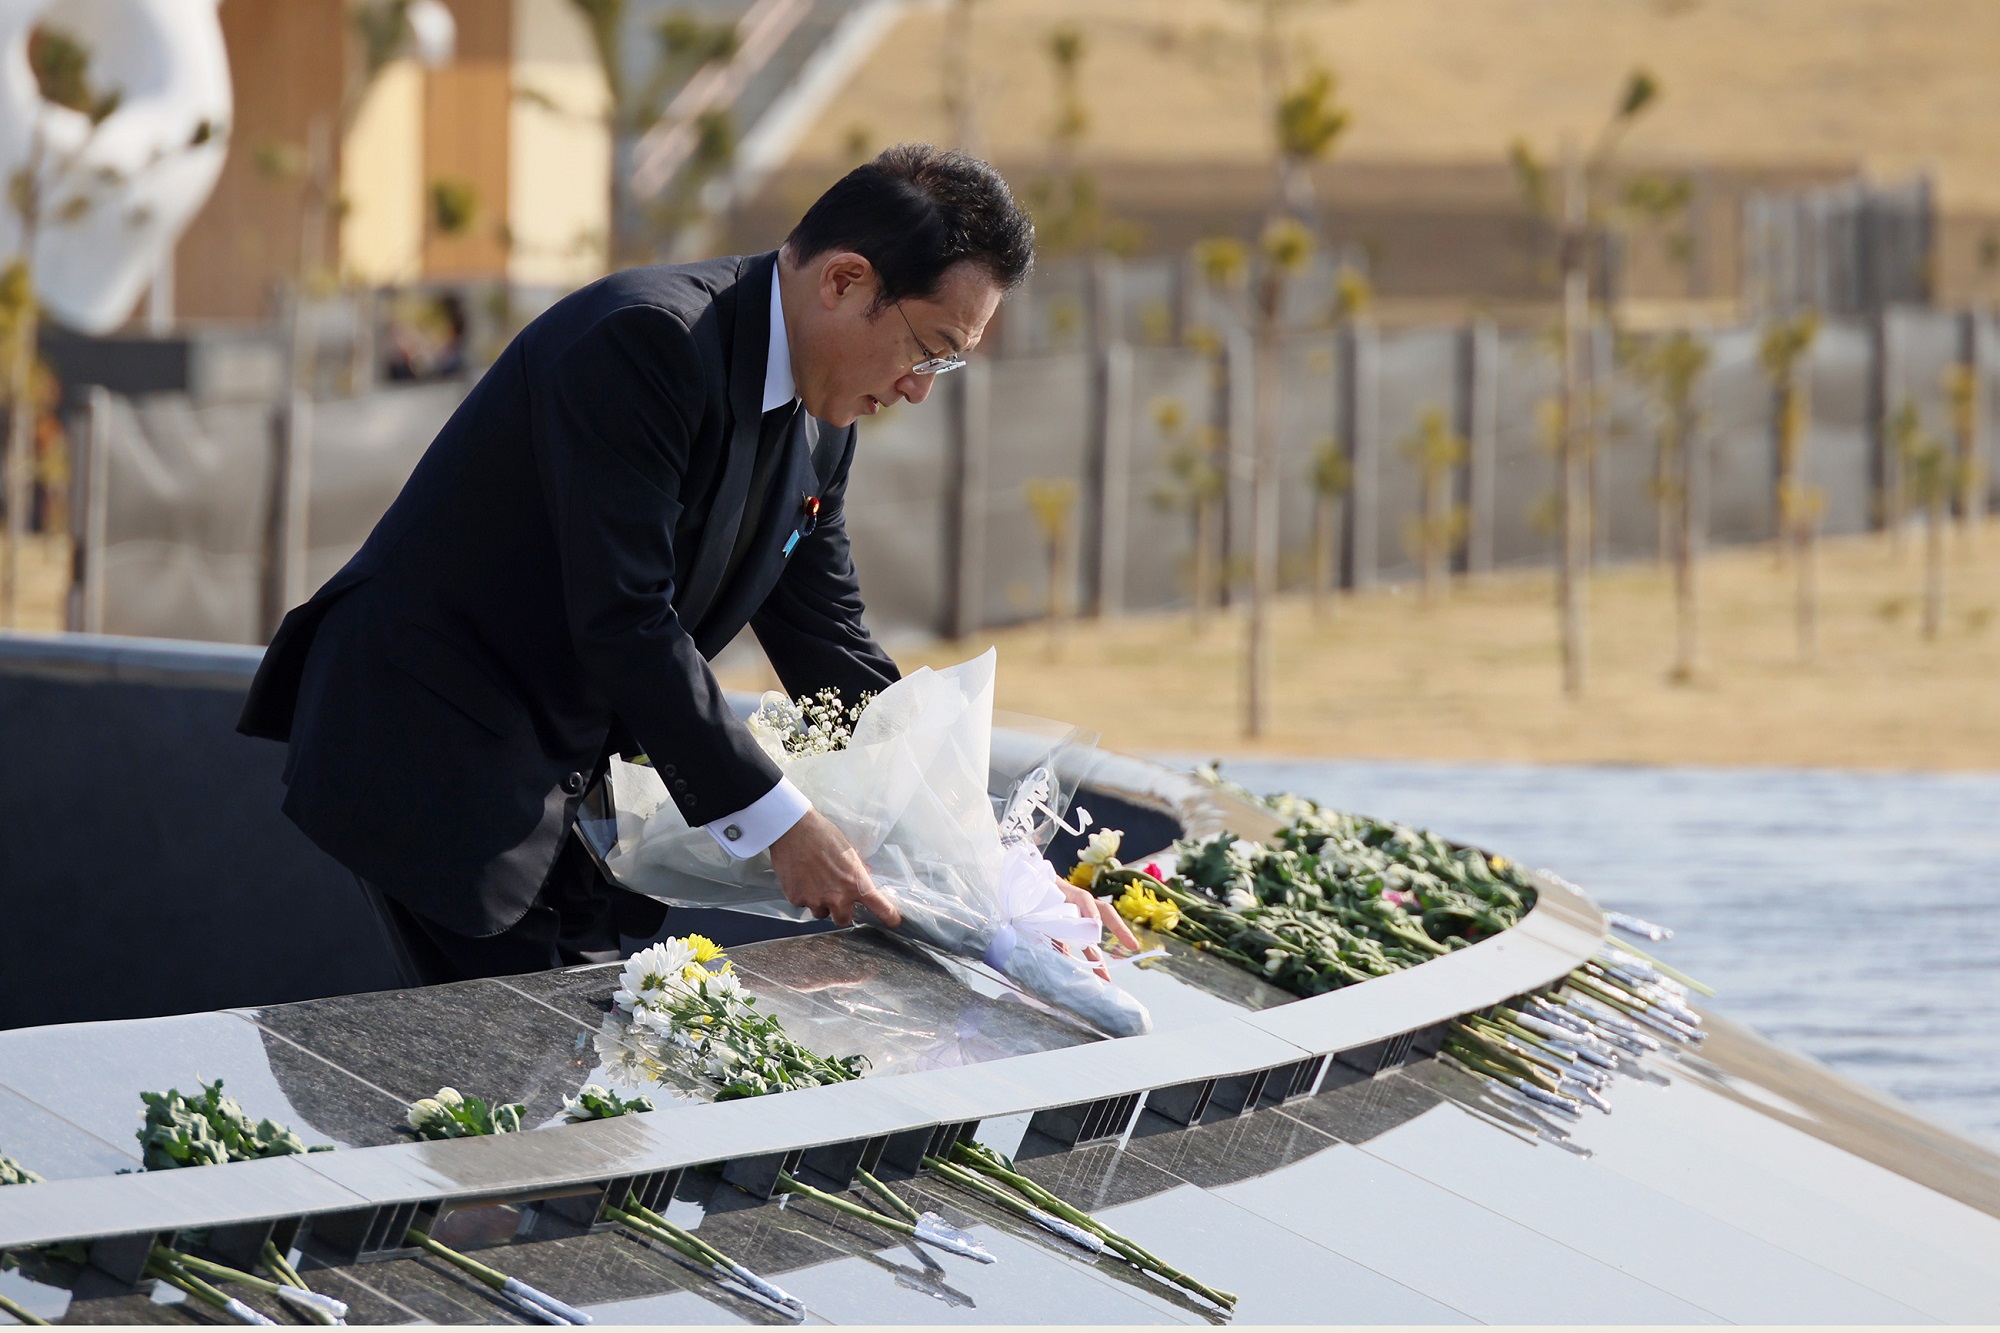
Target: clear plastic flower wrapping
{"type": "Point", "coordinates": [916, 791]}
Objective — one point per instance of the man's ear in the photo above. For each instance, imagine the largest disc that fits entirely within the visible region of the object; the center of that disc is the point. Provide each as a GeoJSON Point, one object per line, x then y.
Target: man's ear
{"type": "Point", "coordinates": [844, 276]}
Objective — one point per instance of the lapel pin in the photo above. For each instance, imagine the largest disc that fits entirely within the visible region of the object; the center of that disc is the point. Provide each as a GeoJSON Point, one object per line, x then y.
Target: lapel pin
{"type": "Point", "coordinates": [806, 525]}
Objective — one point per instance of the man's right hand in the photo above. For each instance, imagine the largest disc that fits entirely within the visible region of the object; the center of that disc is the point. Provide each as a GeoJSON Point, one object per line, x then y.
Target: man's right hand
{"type": "Point", "coordinates": [819, 870]}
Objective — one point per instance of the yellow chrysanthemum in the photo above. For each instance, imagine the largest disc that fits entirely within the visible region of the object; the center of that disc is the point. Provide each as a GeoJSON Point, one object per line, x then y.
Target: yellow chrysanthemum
{"type": "Point", "coordinates": [1142, 906]}
{"type": "Point", "coordinates": [1084, 876]}
{"type": "Point", "coordinates": [1499, 863]}
{"type": "Point", "coordinates": [705, 949]}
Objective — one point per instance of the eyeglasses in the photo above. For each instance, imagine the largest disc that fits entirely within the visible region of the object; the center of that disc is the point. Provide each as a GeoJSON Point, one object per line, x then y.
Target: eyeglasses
{"type": "Point", "coordinates": [934, 363]}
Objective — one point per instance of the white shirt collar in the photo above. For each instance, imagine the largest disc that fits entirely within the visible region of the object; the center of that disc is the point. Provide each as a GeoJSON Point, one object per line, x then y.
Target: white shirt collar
{"type": "Point", "coordinates": [778, 387]}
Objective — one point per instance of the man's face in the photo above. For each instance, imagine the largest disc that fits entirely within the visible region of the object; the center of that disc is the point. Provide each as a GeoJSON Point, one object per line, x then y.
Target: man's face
{"type": "Point", "coordinates": [851, 360]}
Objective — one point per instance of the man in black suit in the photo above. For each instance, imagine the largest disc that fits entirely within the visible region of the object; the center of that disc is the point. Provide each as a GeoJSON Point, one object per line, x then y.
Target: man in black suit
{"type": "Point", "coordinates": [655, 462]}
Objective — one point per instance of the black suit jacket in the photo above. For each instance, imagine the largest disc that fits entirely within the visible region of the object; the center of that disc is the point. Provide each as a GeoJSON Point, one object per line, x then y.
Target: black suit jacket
{"type": "Point", "coordinates": [548, 589]}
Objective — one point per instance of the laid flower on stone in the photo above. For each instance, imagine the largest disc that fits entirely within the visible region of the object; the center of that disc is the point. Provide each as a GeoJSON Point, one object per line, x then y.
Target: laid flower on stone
{"type": "Point", "coordinates": [689, 1006]}
{"type": "Point", "coordinates": [13, 1173]}
{"type": "Point", "coordinates": [594, 1101]}
{"type": "Point", "coordinates": [450, 1114]}
{"type": "Point", "coordinates": [209, 1128]}
{"type": "Point", "coordinates": [1099, 855]}
{"type": "Point", "coordinates": [1141, 906]}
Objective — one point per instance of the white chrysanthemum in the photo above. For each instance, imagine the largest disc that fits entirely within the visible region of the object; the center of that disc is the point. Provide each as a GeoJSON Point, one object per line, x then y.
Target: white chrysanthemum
{"type": "Point", "coordinates": [723, 985]}
{"type": "Point", "coordinates": [654, 1021]}
{"type": "Point", "coordinates": [1239, 900]}
{"type": "Point", "coordinates": [573, 1107]}
{"type": "Point", "coordinates": [651, 971]}
{"type": "Point", "coordinates": [1102, 849]}
{"type": "Point", "coordinates": [423, 1111]}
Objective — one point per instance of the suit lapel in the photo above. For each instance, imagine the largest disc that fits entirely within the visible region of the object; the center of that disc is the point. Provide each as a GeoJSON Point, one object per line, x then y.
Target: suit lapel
{"type": "Point", "coordinates": [796, 480]}
{"type": "Point", "coordinates": [750, 350]}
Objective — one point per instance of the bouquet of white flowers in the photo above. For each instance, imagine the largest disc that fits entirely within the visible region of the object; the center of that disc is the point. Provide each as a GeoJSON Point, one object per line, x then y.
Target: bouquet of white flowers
{"type": "Point", "coordinates": [904, 775]}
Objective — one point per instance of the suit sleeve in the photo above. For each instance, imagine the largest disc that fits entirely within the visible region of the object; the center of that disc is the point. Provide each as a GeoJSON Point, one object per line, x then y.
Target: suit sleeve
{"type": "Point", "coordinates": [615, 416]}
{"type": "Point", "coordinates": [810, 626]}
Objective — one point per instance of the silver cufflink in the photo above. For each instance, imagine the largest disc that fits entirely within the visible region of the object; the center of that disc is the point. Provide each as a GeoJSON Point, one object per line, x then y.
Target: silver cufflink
{"type": "Point", "coordinates": [732, 833]}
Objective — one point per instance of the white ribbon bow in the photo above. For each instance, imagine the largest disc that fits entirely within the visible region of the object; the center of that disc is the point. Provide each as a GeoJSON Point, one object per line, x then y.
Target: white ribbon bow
{"type": "Point", "coordinates": [1032, 903]}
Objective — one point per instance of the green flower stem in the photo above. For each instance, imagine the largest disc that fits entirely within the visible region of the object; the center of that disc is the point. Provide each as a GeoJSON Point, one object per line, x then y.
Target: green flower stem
{"type": "Point", "coordinates": [513, 1290]}
{"type": "Point", "coordinates": [701, 1247]}
{"type": "Point", "coordinates": [975, 1185]}
{"type": "Point", "coordinates": [164, 1265]}
{"type": "Point", "coordinates": [21, 1313]}
{"type": "Point", "coordinates": [888, 1196]}
{"type": "Point", "coordinates": [223, 1273]}
{"type": "Point", "coordinates": [1617, 997]}
{"type": "Point", "coordinates": [724, 1266]}
{"type": "Point", "coordinates": [1531, 1051]}
{"type": "Point", "coordinates": [988, 1164]}
{"type": "Point", "coordinates": [651, 1232]}
{"type": "Point", "coordinates": [275, 1260]}
{"type": "Point", "coordinates": [1496, 1054]}
{"type": "Point", "coordinates": [1537, 1041]}
{"type": "Point", "coordinates": [1668, 969]}
{"type": "Point", "coordinates": [788, 1185]}
{"type": "Point", "coordinates": [220, 1272]}
{"type": "Point", "coordinates": [492, 1277]}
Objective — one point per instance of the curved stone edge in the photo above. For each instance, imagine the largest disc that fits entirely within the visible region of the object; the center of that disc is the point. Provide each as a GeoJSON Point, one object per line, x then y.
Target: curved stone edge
{"type": "Point", "coordinates": [1372, 1024]}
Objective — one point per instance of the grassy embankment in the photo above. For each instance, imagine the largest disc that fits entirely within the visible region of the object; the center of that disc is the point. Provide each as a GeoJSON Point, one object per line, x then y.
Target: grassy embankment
{"type": "Point", "coordinates": [1475, 677]}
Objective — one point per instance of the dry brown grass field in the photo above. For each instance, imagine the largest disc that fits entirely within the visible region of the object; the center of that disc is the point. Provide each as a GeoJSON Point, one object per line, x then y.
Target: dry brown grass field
{"type": "Point", "coordinates": [1475, 676]}
{"type": "Point", "coordinates": [45, 575]}
{"type": "Point", "coordinates": [1895, 85]}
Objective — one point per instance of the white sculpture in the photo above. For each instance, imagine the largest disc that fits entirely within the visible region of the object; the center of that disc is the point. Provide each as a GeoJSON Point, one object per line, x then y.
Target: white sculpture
{"type": "Point", "coordinates": [145, 170]}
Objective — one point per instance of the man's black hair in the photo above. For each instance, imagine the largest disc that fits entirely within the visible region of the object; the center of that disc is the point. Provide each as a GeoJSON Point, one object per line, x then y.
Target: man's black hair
{"type": "Point", "coordinates": [916, 211]}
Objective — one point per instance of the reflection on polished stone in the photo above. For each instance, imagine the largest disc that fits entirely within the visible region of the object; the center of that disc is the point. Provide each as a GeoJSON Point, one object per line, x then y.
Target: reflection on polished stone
{"type": "Point", "coordinates": [896, 1003]}
{"type": "Point", "coordinates": [91, 1074]}
{"type": "Point", "coordinates": [1358, 1110]}
{"type": "Point", "coordinates": [1102, 1176]}
{"type": "Point", "coordinates": [1205, 973]}
{"type": "Point", "coordinates": [52, 1147]}
{"type": "Point", "coordinates": [1225, 1151]}
{"type": "Point", "coordinates": [1483, 1264]}
{"type": "Point", "coordinates": [855, 992]}
{"type": "Point", "coordinates": [480, 1037]}
{"type": "Point", "coordinates": [1280, 1276]}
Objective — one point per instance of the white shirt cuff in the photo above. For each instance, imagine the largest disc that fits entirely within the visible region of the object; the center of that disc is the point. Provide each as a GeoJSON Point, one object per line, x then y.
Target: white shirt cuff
{"type": "Point", "coordinates": [762, 822]}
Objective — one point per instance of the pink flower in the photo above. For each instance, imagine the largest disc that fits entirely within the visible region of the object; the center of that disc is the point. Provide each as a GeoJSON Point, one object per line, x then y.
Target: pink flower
{"type": "Point", "coordinates": [1400, 897]}
{"type": "Point", "coordinates": [1153, 868]}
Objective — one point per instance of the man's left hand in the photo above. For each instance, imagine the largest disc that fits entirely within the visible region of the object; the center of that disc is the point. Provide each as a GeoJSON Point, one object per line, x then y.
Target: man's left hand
{"type": "Point", "coordinates": [1088, 908]}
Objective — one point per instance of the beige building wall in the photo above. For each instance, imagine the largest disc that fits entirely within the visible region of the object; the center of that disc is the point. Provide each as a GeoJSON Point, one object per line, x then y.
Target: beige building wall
{"type": "Point", "coordinates": [559, 149]}
{"type": "Point", "coordinates": [382, 181]}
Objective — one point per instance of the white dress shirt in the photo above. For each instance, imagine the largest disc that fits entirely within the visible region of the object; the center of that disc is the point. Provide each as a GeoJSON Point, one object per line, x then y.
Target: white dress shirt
{"type": "Point", "coordinates": [762, 822]}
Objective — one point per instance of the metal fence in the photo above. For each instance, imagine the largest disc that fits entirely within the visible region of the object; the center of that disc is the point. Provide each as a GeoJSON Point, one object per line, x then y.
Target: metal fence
{"type": "Point", "coordinates": [182, 538]}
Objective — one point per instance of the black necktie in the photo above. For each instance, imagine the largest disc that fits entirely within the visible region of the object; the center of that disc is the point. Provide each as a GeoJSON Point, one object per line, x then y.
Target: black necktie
{"type": "Point", "coordinates": [772, 433]}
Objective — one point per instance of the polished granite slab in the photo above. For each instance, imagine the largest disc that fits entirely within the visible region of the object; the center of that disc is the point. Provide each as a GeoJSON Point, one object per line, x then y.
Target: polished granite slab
{"type": "Point", "coordinates": [91, 1075]}
{"type": "Point", "coordinates": [54, 1148]}
{"type": "Point", "coordinates": [859, 992]}
{"type": "Point", "coordinates": [481, 1037]}
{"type": "Point", "coordinates": [1407, 1196]}
{"type": "Point", "coordinates": [1383, 1199]}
